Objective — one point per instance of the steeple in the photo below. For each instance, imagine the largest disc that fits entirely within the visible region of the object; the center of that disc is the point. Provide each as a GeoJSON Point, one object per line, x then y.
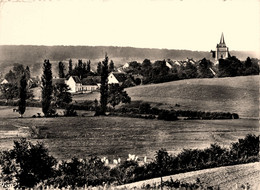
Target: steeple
{"type": "Point", "coordinates": [222, 41]}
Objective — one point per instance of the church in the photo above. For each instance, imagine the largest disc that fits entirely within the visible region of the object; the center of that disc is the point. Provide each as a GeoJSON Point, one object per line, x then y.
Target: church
{"type": "Point", "coordinates": [221, 50]}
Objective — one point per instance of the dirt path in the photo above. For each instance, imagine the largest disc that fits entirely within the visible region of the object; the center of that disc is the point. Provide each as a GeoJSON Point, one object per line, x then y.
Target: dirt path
{"type": "Point", "coordinates": [228, 178]}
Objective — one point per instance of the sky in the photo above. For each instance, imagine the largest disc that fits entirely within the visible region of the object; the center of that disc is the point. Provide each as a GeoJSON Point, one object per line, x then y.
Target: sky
{"type": "Point", "coordinates": [170, 24]}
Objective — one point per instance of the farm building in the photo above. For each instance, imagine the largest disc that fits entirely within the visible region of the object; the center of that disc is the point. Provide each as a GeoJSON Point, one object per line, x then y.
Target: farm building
{"type": "Point", "coordinates": [88, 84]}
{"type": "Point", "coordinates": [82, 86]}
{"type": "Point", "coordinates": [74, 84]}
{"type": "Point", "coordinates": [116, 78]}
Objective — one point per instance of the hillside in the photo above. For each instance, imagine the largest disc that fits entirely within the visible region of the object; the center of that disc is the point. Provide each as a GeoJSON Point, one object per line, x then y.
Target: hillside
{"type": "Point", "coordinates": [34, 55]}
{"type": "Point", "coordinates": [237, 94]}
{"type": "Point", "coordinates": [229, 177]}
{"type": "Point", "coordinates": [231, 94]}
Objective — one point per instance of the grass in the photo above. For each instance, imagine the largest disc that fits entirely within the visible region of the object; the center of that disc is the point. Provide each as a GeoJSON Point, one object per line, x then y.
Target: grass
{"type": "Point", "coordinates": [231, 94]}
{"type": "Point", "coordinates": [238, 94]}
{"type": "Point", "coordinates": [228, 177]}
{"type": "Point", "coordinates": [118, 136]}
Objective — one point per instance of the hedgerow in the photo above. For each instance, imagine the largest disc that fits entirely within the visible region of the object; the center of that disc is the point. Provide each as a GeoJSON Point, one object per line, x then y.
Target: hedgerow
{"type": "Point", "coordinates": [28, 165]}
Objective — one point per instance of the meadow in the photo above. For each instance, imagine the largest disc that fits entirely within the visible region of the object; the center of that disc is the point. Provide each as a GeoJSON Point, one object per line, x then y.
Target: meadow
{"type": "Point", "coordinates": [118, 136]}
{"type": "Point", "coordinates": [232, 94]}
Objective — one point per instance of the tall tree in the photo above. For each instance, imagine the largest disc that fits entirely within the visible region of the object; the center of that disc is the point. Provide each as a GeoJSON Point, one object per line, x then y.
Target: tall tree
{"type": "Point", "coordinates": [111, 66]}
{"type": "Point", "coordinates": [104, 86]}
{"type": "Point", "coordinates": [22, 95]}
{"type": "Point", "coordinates": [10, 77]}
{"type": "Point", "coordinates": [9, 91]}
{"type": "Point", "coordinates": [88, 69]}
{"type": "Point", "coordinates": [61, 70]}
{"type": "Point", "coordinates": [47, 88]}
{"type": "Point", "coordinates": [19, 71]}
{"type": "Point", "coordinates": [99, 68]}
{"type": "Point", "coordinates": [79, 69]}
{"type": "Point", "coordinates": [27, 73]}
{"type": "Point", "coordinates": [61, 93]}
{"type": "Point", "coordinates": [70, 67]}
{"type": "Point", "coordinates": [117, 95]}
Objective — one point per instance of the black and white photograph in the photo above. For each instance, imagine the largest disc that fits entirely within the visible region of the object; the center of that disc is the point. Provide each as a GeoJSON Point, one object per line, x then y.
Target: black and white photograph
{"type": "Point", "coordinates": [129, 94]}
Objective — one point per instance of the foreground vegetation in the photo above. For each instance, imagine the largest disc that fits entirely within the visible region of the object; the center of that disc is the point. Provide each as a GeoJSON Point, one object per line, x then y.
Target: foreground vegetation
{"type": "Point", "coordinates": [28, 164]}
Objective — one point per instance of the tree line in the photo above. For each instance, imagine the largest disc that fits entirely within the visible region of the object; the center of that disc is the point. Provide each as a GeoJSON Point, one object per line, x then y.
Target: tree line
{"type": "Point", "coordinates": [158, 71]}
{"type": "Point", "coordinates": [28, 165]}
{"type": "Point", "coordinates": [82, 69]}
{"type": "Point", "coordinates": [57, 95]}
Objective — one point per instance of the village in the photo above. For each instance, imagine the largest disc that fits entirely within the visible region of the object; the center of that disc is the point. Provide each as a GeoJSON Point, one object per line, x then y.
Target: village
{"type": "Point", "coordinates": [108, 94]}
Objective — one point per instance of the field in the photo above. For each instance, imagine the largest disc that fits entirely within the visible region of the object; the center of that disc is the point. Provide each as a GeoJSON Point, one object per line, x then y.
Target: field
{"type": "Point", "coordinates": [115, 137]}
{"type": "Point", "coordinates": [228, 178]}
{"type": "Point", "coordinates": [118, 136]}
{"type": "Point", "coordinates": [237, 94]}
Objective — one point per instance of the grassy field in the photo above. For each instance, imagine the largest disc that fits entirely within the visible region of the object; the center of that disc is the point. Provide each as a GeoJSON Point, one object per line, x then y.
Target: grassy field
{"type": "Point", "coordinates": [118, 136]}
{"type": "Point", "coordinates": [237, 94]}
{"type": "Point", "coordinates": [228, 178]}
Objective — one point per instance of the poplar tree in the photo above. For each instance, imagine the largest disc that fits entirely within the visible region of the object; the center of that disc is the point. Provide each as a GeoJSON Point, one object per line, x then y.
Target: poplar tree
{"type": "Point", "coordinates": [70, 67]}
{"type": "Point", "coordinates": [99, 68]}
{"type": "Point", "coordinates": [22, 95]}
{"type": "Point", "coordinates": [27, 73]}
{"type": "Point", "coordinates": [104, 86]}
{"type": "Point", "coordinates": [88, 67]}
{"type": "Point", "coordinates": [111, 66]}
{"type": "Point", "coordinates": [46, 88]}
{"type": "Point", "coordinates": [61, 70]}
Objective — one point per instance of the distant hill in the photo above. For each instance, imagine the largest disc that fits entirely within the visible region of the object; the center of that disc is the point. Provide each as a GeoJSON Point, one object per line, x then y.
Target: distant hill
{"type": "Point", "coordinates": [34, 55]}
{"type": "Point", "coordinates": [231, 94]}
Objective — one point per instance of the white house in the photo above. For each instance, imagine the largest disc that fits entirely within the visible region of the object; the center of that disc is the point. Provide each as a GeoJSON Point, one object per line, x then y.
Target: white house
{"type": "Point", "coordinates": [3, 81]}
{"type": "Point", "coordinates": [116, 78]}
{"type": "Point", "coordinates": [85, 85]}
{"type": "Point", "coordinates": [177, 63]}
{"type": "Point", "coordinates": [74, 84]}
{"type": "Point", "coordinates": [125, 65]}
{"type": "Point", "coordinates": [168, 65]}
{"type": "Point", "coordinates": [88, 85]}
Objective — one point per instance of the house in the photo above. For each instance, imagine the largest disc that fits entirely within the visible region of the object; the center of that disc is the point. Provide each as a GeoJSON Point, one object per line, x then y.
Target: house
{"type": "Point", "coordinates": [177, 63]}
{"type": "Point", "coordinates": [190, 60]}
{"type": "Point", "coordinates": [168, 64]}
{"type": "Point", "coordinates": [3, 81]}
{"type": "Point", "coordinates": [88, 85]}
{"type": "Point", "coordinates": [125, 66]}
{"type": "Point", "coordinates": [74, 84]}
{"type": "Point", "coordinates": [84, 85]}
{"type": "Point", "coordinates": [116, 78]}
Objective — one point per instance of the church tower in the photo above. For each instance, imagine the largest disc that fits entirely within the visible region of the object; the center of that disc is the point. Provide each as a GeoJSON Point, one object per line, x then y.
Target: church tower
{"type": "Point", "coordinates": [221, 50]}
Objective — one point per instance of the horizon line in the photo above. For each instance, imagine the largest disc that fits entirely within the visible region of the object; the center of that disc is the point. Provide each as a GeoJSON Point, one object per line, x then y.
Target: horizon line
{"type": "Point", "coordinates": [255, 51]}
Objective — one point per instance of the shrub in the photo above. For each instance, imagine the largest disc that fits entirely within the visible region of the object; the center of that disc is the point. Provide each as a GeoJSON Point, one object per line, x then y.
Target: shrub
{"type": "Point", "coordinates": [167, 115]}
{"type": "Point", "coordinates": [26, 164]}
{"type": "Point", "coordinates": [125, 172]}
{"type": "Point", "coordinates": [145, 108]}
{"type": "Point", "coordinates": [70, 111]}
{"type": "Point", "coordinates": [249, 146]}
{"type": "Point", "coordinates": [80, 172]}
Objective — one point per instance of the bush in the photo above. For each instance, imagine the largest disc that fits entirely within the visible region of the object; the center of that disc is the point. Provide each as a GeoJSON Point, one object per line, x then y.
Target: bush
{"type": "Point", "coordinates": [125, 172]}
{"type": "Point", "coordinates": [26, 164]}
{"type": "Point", "coordinates": [167, 115]}
{"type": "Point", "coordinates": [80, 172]}
{"type": "Point", "coordinates": [145, 108]}
{"type": "Point", "coordinates": [247, 147]}
{"type": "Point", "coordinates": [70, 111]}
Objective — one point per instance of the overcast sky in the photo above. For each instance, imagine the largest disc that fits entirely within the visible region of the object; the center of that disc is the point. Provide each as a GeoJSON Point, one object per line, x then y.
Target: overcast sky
{"type": "Point", "coordinates": [171, 24]}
